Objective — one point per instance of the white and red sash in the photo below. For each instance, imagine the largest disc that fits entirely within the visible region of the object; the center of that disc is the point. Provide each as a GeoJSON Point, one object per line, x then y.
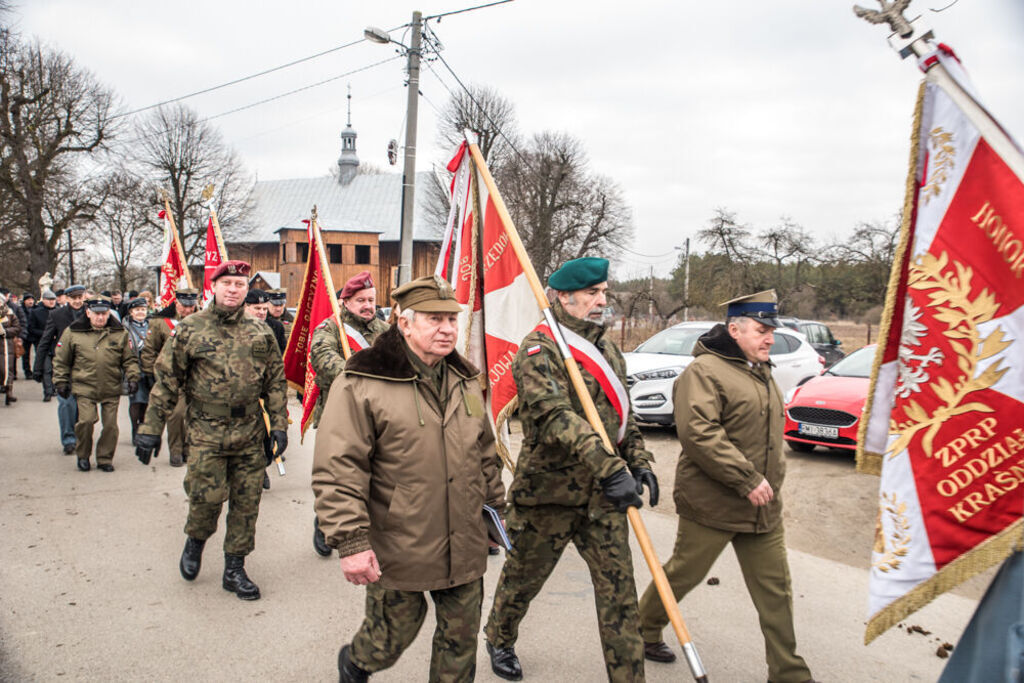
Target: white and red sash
{"type": "Point", "coordinates": [171, 324]}
{"type": "Point", "coordinates": [356, 341]}
{"type": "Point", "coordinates": [590, 359]}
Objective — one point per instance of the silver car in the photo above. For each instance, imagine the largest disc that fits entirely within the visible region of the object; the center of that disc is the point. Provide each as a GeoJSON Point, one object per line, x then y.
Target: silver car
{"type": "Point", "coordinates": [653, 366]}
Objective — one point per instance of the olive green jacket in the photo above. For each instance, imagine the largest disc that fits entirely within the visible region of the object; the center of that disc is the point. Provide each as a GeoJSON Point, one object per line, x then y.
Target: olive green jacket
{"type": "Point", "coordinates": [729, 421]}
{"type": "Point", "coordinates": [94, 360]}
{"type": "Point", "coordinates": [327, 357]}
{"type": "Point", "coordinates": [563, 459]}
{"type": "Point", "coordinates": [404, 471]}
{"type": "Point", "coordinates": [221, 359]}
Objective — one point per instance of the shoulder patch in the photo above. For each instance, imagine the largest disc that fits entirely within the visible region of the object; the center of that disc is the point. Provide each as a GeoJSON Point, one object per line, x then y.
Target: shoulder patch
{"type": "Point", "coordinates": [323, 323]}
{"type": "Point", "coordinates": [533, 349]}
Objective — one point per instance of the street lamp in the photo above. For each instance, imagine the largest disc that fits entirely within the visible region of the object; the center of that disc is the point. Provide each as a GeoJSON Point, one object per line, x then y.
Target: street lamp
{"type": "Point", "coordinates": [412, 53]}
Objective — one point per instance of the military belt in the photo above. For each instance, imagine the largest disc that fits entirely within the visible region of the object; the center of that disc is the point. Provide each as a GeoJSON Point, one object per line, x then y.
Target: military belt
{"type": "Point", "coordinates": [224, 410]}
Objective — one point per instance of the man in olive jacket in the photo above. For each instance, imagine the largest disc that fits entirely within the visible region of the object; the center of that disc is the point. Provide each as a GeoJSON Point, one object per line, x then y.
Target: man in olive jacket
{"type": "Point", "coordinates": [91, 357]}
{"type": "Point", "coordinates": [403, 465]}
{"type": "Point", "coordinates": [729, 419]}
{"type": "Point", "coordinates": [358, 315]}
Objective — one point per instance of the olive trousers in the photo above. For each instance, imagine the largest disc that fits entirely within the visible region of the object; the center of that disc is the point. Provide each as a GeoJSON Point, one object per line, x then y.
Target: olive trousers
{"type": "Point", "coordinates": [89, 412]}
{"type": "Point", "coordinates": [762, 559]}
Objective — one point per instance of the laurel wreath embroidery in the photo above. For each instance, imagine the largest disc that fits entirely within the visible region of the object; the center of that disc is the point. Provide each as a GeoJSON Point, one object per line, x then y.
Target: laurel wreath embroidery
{"type": "Point", "coordinates": [896, 546]}
{"type": "Point", "coordinates": [942, 162]}
{"type": "Point", "coordinates": [953, 306]}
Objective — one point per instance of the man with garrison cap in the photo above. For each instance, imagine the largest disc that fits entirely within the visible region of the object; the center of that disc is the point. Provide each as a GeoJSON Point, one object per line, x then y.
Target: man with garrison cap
{"type": "Point", "coordinates": [224, 362]}
{"type": "Point", "coordinates": [161, 327]}
{"type": "Point", "coordinates": [359, 304]}
{"type": "Point", "coordinates": [92, 356]}
{"type": "Point", "coordinates": [403, 465]}
{"type": "Point", "coordinates": [568, 487]}
{"type": "Point", "coordinates": [728, 414]}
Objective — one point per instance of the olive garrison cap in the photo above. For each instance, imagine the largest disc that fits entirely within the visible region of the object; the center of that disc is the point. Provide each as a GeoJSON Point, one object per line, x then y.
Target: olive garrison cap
{"type": "Point", "coordinates": [99, 304]}
{"type": "Point", "coordinates": [579, 273]}
{"type": "Point", "coordinates": [762, 307]}
{"type": "Point", "coordinates": [428, 294]}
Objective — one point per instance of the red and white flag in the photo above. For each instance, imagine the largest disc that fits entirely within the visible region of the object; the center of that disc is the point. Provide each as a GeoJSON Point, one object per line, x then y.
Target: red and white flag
{"type": "Point", "coordinates": [173, 272]}
{"type": "Point", "coordinates": [489, 281]}
{"type": "Point", "coordinates": [316, 304]}
{"type": "Point", "coordinates": [214, 257]}
{"type": "Point", "coordinates": [944, 422]}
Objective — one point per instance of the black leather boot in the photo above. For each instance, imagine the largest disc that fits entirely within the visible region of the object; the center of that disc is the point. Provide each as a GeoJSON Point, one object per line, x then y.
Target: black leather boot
{"type": "Point", "coordinates": [236, 580]}
{"type": "Point", "coordinates": [191, 558]}
{"type": "Point", "coordinates": [505, 663]}
{"type": "Point", "coordinates": [319, 542]}
{"type": "Point", "coordinates": [348, 672]}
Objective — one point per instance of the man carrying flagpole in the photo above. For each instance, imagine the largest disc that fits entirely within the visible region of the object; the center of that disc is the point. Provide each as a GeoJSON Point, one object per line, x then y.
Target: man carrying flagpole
{"type": "Point", "coordinates": [359, 305]}
{"type": "Point", "coordinates": [568, 486]}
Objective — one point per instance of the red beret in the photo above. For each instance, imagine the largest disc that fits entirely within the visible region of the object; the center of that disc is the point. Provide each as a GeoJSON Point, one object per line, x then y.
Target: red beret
{"type": "Point", "coordinates": [231, 268]}
{"type": "Point", "coordinates": [356, 283]}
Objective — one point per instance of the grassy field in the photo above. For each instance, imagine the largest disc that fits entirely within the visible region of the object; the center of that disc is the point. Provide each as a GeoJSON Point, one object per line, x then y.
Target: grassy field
{"type": "Point", "coordinates": [853, 335]}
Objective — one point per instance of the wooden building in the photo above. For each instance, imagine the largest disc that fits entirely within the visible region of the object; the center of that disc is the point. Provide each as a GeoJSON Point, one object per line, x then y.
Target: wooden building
{"type": "Point", "coordinates": [360, 216]}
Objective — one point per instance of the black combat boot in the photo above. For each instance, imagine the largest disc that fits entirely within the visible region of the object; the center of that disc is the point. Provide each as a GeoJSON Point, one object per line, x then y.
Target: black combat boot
{"type": "Point", "coordinates": [191, 558]}
{"type": "Point", "coordinates": [236, 580]}
{"type": "Point", "coordinates": [505, 663]}
{"type": "Point", "coordinates": [348, 672]}
{"type": "Point", "coordinates": [319, 542]}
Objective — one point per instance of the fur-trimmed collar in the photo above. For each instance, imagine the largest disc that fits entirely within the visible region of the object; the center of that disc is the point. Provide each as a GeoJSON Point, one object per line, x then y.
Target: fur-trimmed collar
{"type": "Point", "coordinates": [83, 324]}
{"type": "Point", "coordinates": [386, 359]}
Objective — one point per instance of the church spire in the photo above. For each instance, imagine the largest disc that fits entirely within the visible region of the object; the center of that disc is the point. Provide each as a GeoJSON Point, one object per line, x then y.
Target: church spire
{"type": "Point", "coordinates": [348, 162]}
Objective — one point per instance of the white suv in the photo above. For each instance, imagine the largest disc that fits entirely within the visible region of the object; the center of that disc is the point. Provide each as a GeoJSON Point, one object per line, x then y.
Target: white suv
{"type": "Point", "coordinates": [653, 366]}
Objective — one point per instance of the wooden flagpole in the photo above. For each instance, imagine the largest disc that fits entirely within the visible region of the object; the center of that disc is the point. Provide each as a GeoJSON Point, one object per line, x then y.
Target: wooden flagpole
{"type": "Point", "coordinates": [174, 234]}
{"type": "Point", "coordinates": [208, 197]}
{"type": "Point", "coordinates": [668, 600]}
{"type": "Point", "coordinates": [329, 284]}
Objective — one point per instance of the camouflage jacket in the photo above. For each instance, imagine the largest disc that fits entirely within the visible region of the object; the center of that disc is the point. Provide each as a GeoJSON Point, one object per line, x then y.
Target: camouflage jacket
{"type": "Point", "coordinates": [222, 360]}
{"type": "Point", "coordinates": [160, 327]}
{"type": "Point", "coordinates": [326, 355]}
{"type": "Point", "coordinates": [94, 360]}
{"type": "Point", "coordinates": [562, 458]}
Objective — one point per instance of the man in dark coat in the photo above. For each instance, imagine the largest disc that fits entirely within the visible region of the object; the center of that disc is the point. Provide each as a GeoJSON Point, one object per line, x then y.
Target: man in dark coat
{"type": "Point", "coordinates": [36, 325]}
{"type": "Point", "coordinates": [59, 320]}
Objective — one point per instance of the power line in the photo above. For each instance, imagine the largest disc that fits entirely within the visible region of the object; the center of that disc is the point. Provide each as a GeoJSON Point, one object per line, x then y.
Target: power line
{"type": "Point", "coordinates": [467, 9]}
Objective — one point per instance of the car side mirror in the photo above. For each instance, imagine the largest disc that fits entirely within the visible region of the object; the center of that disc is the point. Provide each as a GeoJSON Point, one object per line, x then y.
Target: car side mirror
{"type": "Point", "coordinates": [837, 342]}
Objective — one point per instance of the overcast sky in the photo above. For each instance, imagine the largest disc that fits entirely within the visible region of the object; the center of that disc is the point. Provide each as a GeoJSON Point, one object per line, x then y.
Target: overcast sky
{"type": "Point", "coordinates": [786, 108]}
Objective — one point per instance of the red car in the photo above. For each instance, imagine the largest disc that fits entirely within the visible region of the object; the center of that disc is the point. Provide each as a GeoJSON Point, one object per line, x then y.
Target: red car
{"type": "Point", "coordinates": [826, 410]}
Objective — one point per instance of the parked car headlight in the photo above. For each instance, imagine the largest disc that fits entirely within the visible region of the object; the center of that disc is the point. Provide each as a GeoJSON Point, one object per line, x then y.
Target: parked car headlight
{"type": "Point", "coordinates": [664, 373]}
{"type": "Point", "coordinates": [790, 395]}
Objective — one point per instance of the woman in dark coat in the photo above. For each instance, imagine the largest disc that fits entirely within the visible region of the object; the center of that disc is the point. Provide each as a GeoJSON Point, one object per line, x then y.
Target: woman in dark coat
{"type": "Point", "coordinates": [137, 324]}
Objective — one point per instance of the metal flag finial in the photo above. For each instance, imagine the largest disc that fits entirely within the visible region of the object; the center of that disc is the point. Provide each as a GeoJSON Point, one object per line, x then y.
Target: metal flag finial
{"type": "Point", "coordinates": [891, 13]}
{"type": "Point", "coordinates": [313, 212]}
{"type": "Point", "coordinates": [162, 196]}
{"type": "Point", "coordinates": [207, 193]}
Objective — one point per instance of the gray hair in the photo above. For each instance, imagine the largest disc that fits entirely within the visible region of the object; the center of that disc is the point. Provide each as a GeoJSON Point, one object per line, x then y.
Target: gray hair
{"type": "Point", "coordinates": [741, 321]}
{"type": "Point", "coordinates": [407, 313]}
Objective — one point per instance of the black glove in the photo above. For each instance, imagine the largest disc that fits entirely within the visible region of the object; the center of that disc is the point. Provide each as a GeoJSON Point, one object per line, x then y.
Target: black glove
{"type": "Point", "coordinates": [145, 444]}
{"type": "Point", "coordinates": [279, 442]}
{"type": "Point", "coordinates": [620, 489]}
{"type": "Point", "coordinates": [133, 386]}
{"type": "Point", "coordinates": [642, 476]}
{"type": "Point", "coordinates": [64, 390]}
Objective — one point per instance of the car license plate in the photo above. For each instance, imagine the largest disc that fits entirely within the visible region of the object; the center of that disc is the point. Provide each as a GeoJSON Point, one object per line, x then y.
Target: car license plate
{"type": "Point", "coordinates": [816, 430]}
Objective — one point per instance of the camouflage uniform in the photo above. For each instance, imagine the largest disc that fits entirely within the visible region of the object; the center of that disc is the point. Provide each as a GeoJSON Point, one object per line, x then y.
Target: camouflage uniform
{"type": "Point", "coordinates": [224, 362]}
{"type": "Point", "coordinates": [327, 357]}
{"type": "Point", "coordinates": [161, 326]}
{"type": "Point", "coordinates": [555, 498]}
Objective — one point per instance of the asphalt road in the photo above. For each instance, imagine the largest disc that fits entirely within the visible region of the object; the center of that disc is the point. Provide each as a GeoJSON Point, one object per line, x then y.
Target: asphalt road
{"type": "Point", "coordinates": [91, 591]}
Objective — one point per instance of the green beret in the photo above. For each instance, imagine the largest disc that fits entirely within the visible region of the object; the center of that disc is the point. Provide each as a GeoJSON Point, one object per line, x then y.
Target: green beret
{"type": "Point", "coordinates": [579, 273]}
{"type": "Point", "coordinates": [429, 294]}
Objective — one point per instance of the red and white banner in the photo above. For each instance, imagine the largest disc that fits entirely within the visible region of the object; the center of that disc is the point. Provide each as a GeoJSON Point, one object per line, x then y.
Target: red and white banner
{"type": "Point", "coordinates": [214, 258]}
{"type": "Point", "coordinates": [944, 422]}
{"type": "Point", "coordinates": [314, 306]}
{"type": "Point", "coordinates": [173, 271]}
{"type": "Point", "coordinates": [489, 281]}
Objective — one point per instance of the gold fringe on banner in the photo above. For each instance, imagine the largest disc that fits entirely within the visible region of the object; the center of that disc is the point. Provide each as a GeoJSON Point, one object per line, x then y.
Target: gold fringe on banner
{"type": "Point", "coordinates": [871, 463]}
{"type": "Point", "coordinates": [976, 560]}
{"type": "Point", "coordinates": [504, 416]}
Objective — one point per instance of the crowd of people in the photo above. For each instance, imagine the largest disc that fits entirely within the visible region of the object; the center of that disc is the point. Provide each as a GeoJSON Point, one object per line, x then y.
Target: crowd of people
{"type": "Point", "coordinates": [406, 479]}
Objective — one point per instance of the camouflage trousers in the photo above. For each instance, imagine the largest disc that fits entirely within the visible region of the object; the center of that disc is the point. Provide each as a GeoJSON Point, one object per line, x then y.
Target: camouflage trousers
{"type": "Point", "coordinates": [393, 618]}
{"type": "Point", "coordinates": [213, 478]}
{"type": "Point", "coordinates": [88, 413]}
{"type": "Point", "coordinates": [176, 428]}
{"type": "Point", "coordinates": [539, 535]}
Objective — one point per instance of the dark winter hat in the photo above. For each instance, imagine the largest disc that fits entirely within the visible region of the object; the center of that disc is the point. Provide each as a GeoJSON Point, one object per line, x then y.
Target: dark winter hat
{"type": "Point", "coordinates": [99, 304]}
{"type": "Point", "coordinates": [256, 296]}
{"type": "Point", "coordinates": [278, 297]}
{"type": "Point", "coordinates": [48, 294]}
{"type": "Point", "coordinates": [74, 290]}
{"type": "Point", "coordinates": [59, 292]}
{"type": "Point", "coordinates": [135, 303]}
{"type": "Point", "coordinates": [579, 273]}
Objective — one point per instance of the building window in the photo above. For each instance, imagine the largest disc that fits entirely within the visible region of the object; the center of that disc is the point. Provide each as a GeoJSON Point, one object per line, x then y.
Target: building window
{"type": "Point", "coordinates": [362, 253]}
{"type": "Point", "coordinates": [334, 253]}
{"type": "Point", "coordinates": [284, 253]}
{"type": "Point", "coordinates": [302, 249]}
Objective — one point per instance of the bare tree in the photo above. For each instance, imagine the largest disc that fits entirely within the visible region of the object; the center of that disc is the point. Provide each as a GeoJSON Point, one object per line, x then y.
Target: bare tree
{"type": "Point", "coordinates": [125, 235]}
{"type": "Point", "coordinates": [784, 244]}
{"type": "Point", "coordinates": [486, 112]}
{"type": "Point", "coordinates": [184, 154]}
{"type": "Point", "coordinates": [52, 114]}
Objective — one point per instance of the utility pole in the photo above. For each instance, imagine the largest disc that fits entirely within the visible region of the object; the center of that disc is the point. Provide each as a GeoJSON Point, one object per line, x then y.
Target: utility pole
{"type": "Point", "coordinates": [70, 250]}
{"type": "Point", "coordinates": [409, 172]}
{"type": "Point", "coordinates": [650, 298]}
{"type": "Point", "coordinates": [686, 281]}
